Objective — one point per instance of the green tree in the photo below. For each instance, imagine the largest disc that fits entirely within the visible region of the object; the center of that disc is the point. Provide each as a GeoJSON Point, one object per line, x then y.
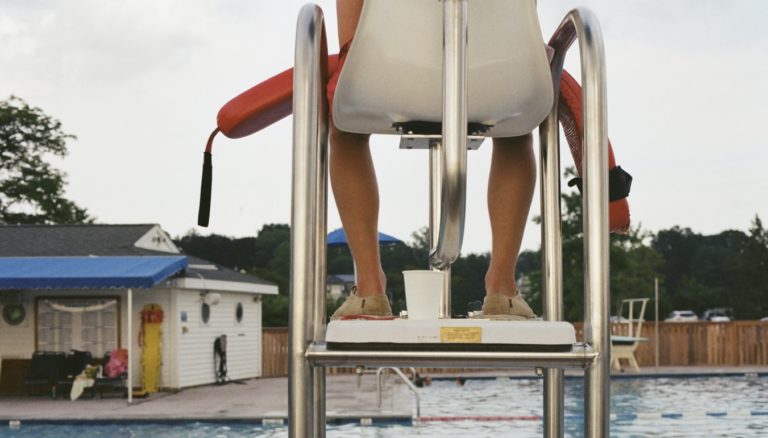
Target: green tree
{"type": "Point", "coordinates": [274, 310]}
{"type": "Point", "coordinates": [266, 256]}
{"type": "Point", "coordinates": [728, 269]}
{"type": "Point", "coordinates": [31, 190]}
{"type": "Point", "coordinates": [468, 281]}
{"type": "Point", "coordinates": [633, 262]}
{"type": "Point", "coordinates": [751, 275]}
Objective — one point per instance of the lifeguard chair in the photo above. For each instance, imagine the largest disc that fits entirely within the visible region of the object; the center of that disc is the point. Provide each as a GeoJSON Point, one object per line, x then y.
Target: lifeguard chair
{"type": "Point", "coordinates": [444, 75]}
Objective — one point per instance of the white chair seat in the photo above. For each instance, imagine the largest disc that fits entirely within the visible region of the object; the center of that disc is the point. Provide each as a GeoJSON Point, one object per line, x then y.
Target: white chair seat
{"type": "Point", "coordinates": [393, 72]}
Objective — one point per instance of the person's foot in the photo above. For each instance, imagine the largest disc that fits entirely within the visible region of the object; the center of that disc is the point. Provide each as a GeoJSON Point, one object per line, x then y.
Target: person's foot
{"type": "Point", "coordinates": [498, 306]}
{"type": "Point", "coordinates": [373, 305]}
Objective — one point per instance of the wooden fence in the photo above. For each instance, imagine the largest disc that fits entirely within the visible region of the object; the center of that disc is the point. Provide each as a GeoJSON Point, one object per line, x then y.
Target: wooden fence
{"type": "Point", "coordinates": [274, 352]}
{"type": "Point", "coordinates": [695, 344]}
{"type": "Point", "coordinates": [734, 343]}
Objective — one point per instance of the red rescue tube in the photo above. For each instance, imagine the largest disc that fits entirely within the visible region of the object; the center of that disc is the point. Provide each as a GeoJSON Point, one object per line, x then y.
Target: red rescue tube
{"type": "Point", "coordinates": [247, 113]}
{"type": "Point", "coordinates": [272, 100]}
{"type": "Point", "coordinates": [261, 105]}
{"type": "Point", "coordinates": [570, 116]}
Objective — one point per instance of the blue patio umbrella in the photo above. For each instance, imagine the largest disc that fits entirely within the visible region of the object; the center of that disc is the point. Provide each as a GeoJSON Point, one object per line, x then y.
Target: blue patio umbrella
{"type": "Point", "coordinates": [338, 238]}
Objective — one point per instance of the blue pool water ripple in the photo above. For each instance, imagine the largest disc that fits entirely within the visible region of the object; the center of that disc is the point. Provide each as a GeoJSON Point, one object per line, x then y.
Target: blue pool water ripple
{"type": "Point", "coordinates": [667, 407]}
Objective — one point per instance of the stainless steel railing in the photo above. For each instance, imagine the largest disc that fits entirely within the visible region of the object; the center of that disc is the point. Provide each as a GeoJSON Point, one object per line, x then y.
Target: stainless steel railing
{"type": "Point", "coordinates": [448, 160]}
{"type": "Point", "coordinates": [453, 160]}
{"type": "Point", "coordinates": [306, 386]}
{"type": "Point", "coordinates": [307, 355]}
{"type": "Point", "coordinates": [405, 379]}
{"type": "Point", "coordinates": [580, 24]}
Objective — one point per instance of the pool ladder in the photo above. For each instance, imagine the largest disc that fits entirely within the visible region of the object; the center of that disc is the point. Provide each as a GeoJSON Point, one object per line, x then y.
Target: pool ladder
{"type": "Point", "coordinates": [308, 355]}
{"type": "Point", "coordinates": [381, 374]}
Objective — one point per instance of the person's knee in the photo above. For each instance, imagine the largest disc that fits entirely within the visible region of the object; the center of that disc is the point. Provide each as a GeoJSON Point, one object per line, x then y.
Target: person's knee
{"type": "Point", "coordinates": [514, 142]}
{"type": "Point", "coordinates": [341, 138]}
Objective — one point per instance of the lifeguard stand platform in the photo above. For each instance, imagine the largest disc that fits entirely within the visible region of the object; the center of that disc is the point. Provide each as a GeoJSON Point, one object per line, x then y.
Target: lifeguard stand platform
{"type": "Point", "coordinates": [443, 75]}
{"type": "Point", "coordinates": [492, 80]}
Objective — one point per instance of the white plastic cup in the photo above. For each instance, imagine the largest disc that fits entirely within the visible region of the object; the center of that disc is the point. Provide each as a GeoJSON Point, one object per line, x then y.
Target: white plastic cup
{"type": "Point", "coordinates": [422, 293]}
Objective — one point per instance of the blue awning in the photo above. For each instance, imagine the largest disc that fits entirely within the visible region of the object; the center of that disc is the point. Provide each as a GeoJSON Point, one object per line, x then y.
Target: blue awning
{"type": "Point", "coordinates": [88, 272]}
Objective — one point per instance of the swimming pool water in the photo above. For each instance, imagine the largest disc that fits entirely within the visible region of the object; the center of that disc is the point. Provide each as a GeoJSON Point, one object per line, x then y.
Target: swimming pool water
{"type": "Point", "coordinates": [637, 404]}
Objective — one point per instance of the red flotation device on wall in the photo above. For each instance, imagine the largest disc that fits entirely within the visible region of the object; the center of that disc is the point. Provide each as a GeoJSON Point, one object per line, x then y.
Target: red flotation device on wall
{"type": "Point", "coordinates": [272, 99]}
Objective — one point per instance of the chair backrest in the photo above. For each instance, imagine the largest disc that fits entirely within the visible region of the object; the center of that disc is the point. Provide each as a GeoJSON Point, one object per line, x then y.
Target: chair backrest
{"type": "Point", "coordinates": [75, 362]}
{"type": "Point", "coordinates": [393, 72]}
{"type": "Point", "coordinates": [46, 365]}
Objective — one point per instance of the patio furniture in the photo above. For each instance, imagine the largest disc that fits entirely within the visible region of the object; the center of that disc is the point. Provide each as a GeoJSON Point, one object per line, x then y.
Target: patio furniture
{"type": "Point", "coordinates": [625, 342]}
{"type": "Point", "coordinates": [74, 363]}
{"type": "Point", "coordinates": [12, 373]}
{"type": "Point", "coordinates": [112, 384]}
{"type": "Point", "coordinates": [44, 370]}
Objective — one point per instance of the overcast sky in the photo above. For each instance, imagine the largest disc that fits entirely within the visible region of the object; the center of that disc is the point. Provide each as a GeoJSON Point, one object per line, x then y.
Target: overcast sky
{"type": "Point", "coordinates": [140, 82]}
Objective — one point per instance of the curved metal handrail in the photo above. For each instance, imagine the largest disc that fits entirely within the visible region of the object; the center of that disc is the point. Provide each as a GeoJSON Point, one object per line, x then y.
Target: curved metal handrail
{"type": "Point", "coordinates": [306, 386]}
{"type": "Point", "coordinates": [405, 380]}
{"type": "Point", "coordinates": [582, 25]}
{"type": "Point", "coordinates": [453, 163]}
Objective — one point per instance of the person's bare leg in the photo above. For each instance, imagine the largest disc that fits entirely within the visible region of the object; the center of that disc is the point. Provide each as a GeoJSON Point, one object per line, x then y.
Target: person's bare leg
{"type": "Point", "coordinates": [510, 190]}
{"type": "Point", "coordinates": [347, 14]}
{"type": "Point", "coordinates": [353, 179]}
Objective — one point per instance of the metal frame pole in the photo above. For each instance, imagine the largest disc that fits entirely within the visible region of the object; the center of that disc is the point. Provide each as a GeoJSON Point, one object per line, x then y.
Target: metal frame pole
{"type": "Point", "coordinates": [453, 160]}
{"type": "Point", "coordinates": [656, 325]}
{"type": "Point", "coordinates": [129, 327]}
{"type": "Point", "coordinates": [321, 252]}
{"type": "Point", "coordinates": [436, 152]}
{"type": "Point", "coordinates": [582, 24]}
{"type": "Point", "coordinates": [597, 329]}
{"type": "Point", "coordinates": [552, 254]}
{"type": "Point", "coordinates": [452, 153]}
{"type": "Point", "coordinates": [310, 136]}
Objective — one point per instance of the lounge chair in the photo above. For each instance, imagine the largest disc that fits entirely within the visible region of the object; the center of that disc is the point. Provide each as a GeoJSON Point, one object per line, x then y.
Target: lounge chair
{"type": "Point", "coordinates": [74, 363]}
{"type": "Point", "coordinates": [44, 371]}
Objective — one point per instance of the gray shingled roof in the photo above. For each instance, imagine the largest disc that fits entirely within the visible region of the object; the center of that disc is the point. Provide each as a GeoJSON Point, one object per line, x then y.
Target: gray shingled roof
{"type": "Point", "coordinates": [72, 240]}
{"type": "Point", "coordinates": [222, 273]}
{"type": "Point", "coordinates": [98, 240]}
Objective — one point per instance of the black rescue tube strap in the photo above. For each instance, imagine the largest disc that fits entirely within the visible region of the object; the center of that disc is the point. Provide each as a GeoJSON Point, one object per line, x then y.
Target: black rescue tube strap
{"type": "Point", "coordinates": [204, 211]}
{"type": "Point", "coordinates": [619, 184]}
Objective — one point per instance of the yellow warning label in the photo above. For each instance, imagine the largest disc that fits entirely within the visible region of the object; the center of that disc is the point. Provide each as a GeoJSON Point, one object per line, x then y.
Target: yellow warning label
{"type": "Point", "coordinates": [460, 335]}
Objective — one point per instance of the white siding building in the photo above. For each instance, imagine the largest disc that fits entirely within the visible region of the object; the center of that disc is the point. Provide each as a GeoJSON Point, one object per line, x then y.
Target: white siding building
{"type": "Point", "coordinates": [230, 300]}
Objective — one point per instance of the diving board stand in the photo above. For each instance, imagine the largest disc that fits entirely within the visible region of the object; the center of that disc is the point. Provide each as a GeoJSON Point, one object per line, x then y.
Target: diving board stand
{"type": "Point", "coordinates": [311, 341]}
{"type": "Point", "coordinates": [630, 330]}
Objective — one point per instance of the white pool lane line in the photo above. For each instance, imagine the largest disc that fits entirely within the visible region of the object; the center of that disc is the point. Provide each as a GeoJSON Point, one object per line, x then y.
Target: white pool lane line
{"type": "Point", "coordinates": [614, 417]}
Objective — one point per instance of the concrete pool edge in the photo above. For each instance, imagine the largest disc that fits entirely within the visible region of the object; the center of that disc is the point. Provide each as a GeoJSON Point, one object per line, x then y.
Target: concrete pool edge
{"type": "Point", "coordinates": [264, 422]}
{"type": "Point", "coordinates": [665, 372]}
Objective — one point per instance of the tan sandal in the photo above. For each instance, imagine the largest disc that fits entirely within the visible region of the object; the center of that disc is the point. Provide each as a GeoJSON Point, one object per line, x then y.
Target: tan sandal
{"type": "Point", "coordinates": [355, 305]}
{"type": "Point", "coordinates": [498, 306]}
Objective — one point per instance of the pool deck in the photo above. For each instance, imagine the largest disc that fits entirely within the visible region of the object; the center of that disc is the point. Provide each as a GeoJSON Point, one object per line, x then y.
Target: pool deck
{"type": "Point", "coordinates": [265, 400]}
{"type": "Point", "coordinates": [255, 400]}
